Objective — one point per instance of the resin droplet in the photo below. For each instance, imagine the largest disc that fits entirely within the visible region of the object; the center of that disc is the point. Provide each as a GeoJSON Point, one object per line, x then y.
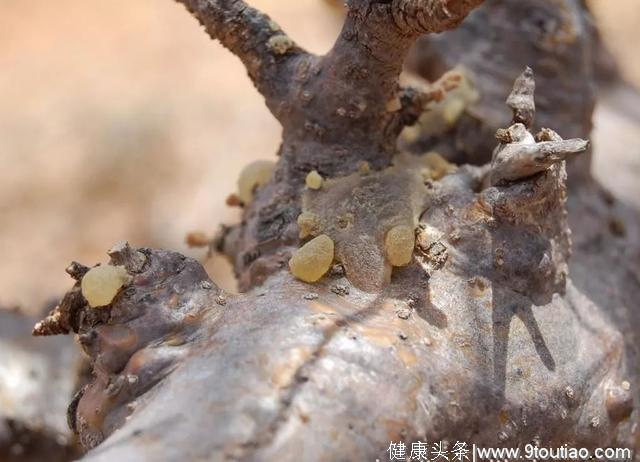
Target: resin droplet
{"type": "Point", "coordinates": [364, 168]}
{"type": "Point", "coordinates": [399, 245]}
{"type": "Point", "coordinates": [309, 224]}
{"type": "Point", "coordinates": [393, 105]}
{"type": "Point", "coordinates": [314, 180]}
{"type": "Point", "coordinates": [255, 174]}
{"type": "Point", "coordinates": [280, 44]}
{"type": "Point", "coordinates": [101, 284]}
{"type": "Point", "coordinates": [438, 166]}
{"type": "Point", "coordinates": [311, 261]}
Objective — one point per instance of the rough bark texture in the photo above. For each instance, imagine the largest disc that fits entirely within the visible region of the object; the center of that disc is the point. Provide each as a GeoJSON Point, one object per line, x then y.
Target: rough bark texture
{"type": "Point", "coordinates": [337, 111]}
{"type": "Point", "coordinates": [555, 38]}
{"type": "Point", "coordinates": [484, 337]}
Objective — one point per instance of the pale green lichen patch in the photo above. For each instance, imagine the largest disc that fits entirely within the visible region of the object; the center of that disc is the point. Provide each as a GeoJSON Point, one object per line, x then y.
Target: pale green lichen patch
{"type": "Point", "coordinates": [311, 261]}
{"type": "Point", "coordinates": [252, 176]}
{"type": "Point", "coordinates": [101, 284]}
{"type": "Point", "coordinates": [274, 26]}
{"type": "Point", "coordinates": [358, 211]}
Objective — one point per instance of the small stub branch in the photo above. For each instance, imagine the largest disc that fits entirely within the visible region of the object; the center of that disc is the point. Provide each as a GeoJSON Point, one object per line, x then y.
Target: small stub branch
{"type": "Point", "coordinates": [520, 154]}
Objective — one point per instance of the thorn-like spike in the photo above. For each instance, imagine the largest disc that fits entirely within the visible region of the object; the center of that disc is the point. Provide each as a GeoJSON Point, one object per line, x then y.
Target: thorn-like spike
{"type": "Point", "coordinates": [76, 270]}
{"type": "Point", "coordinates": [516, 161]}
{"type": "Point", "coordinates": [521, 99]}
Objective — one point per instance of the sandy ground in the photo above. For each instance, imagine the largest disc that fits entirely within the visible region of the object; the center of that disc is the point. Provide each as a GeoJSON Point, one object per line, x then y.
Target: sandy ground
{"type": "Point", "coordinates": [120, 119]}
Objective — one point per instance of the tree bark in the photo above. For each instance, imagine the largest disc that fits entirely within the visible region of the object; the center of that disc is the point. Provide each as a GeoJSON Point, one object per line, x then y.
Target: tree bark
{"type": "Point", "coordinates": [484, 337]}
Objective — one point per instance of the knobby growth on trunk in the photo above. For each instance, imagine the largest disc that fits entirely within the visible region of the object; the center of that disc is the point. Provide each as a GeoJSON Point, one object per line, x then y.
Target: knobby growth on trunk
{"type": "Point", "coordinates": [440, 303]}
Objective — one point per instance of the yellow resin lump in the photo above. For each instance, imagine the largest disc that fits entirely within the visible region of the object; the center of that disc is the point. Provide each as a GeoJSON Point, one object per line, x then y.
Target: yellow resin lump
{"type": "Point", "coordinates": [255, 174]}
{"type": "Point", "coordinates": [309, 224]}
{"type": "Point", "coordinates": [311, 261]}
{"type": "Point", "coordinates": [314, 180]}
{"type": "Point", "coordinates": [438, 166]}
{"type": "Point", "coordinates": [399, 245]}
{"type": "Point", "coordinates": [357, 212]}
{"type": "Point", "coordinates": [458, 93]}
{"type": "Point", "coordinates": [101, 284]}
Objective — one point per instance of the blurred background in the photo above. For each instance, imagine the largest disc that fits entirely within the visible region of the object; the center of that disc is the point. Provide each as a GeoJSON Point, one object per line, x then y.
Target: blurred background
{"type": "Point", "coordinates": [121, 119]}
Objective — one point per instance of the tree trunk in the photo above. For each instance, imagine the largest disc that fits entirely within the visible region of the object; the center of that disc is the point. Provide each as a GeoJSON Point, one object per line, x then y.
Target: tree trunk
{"type": "Point", "coordinates": [473, 326]}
